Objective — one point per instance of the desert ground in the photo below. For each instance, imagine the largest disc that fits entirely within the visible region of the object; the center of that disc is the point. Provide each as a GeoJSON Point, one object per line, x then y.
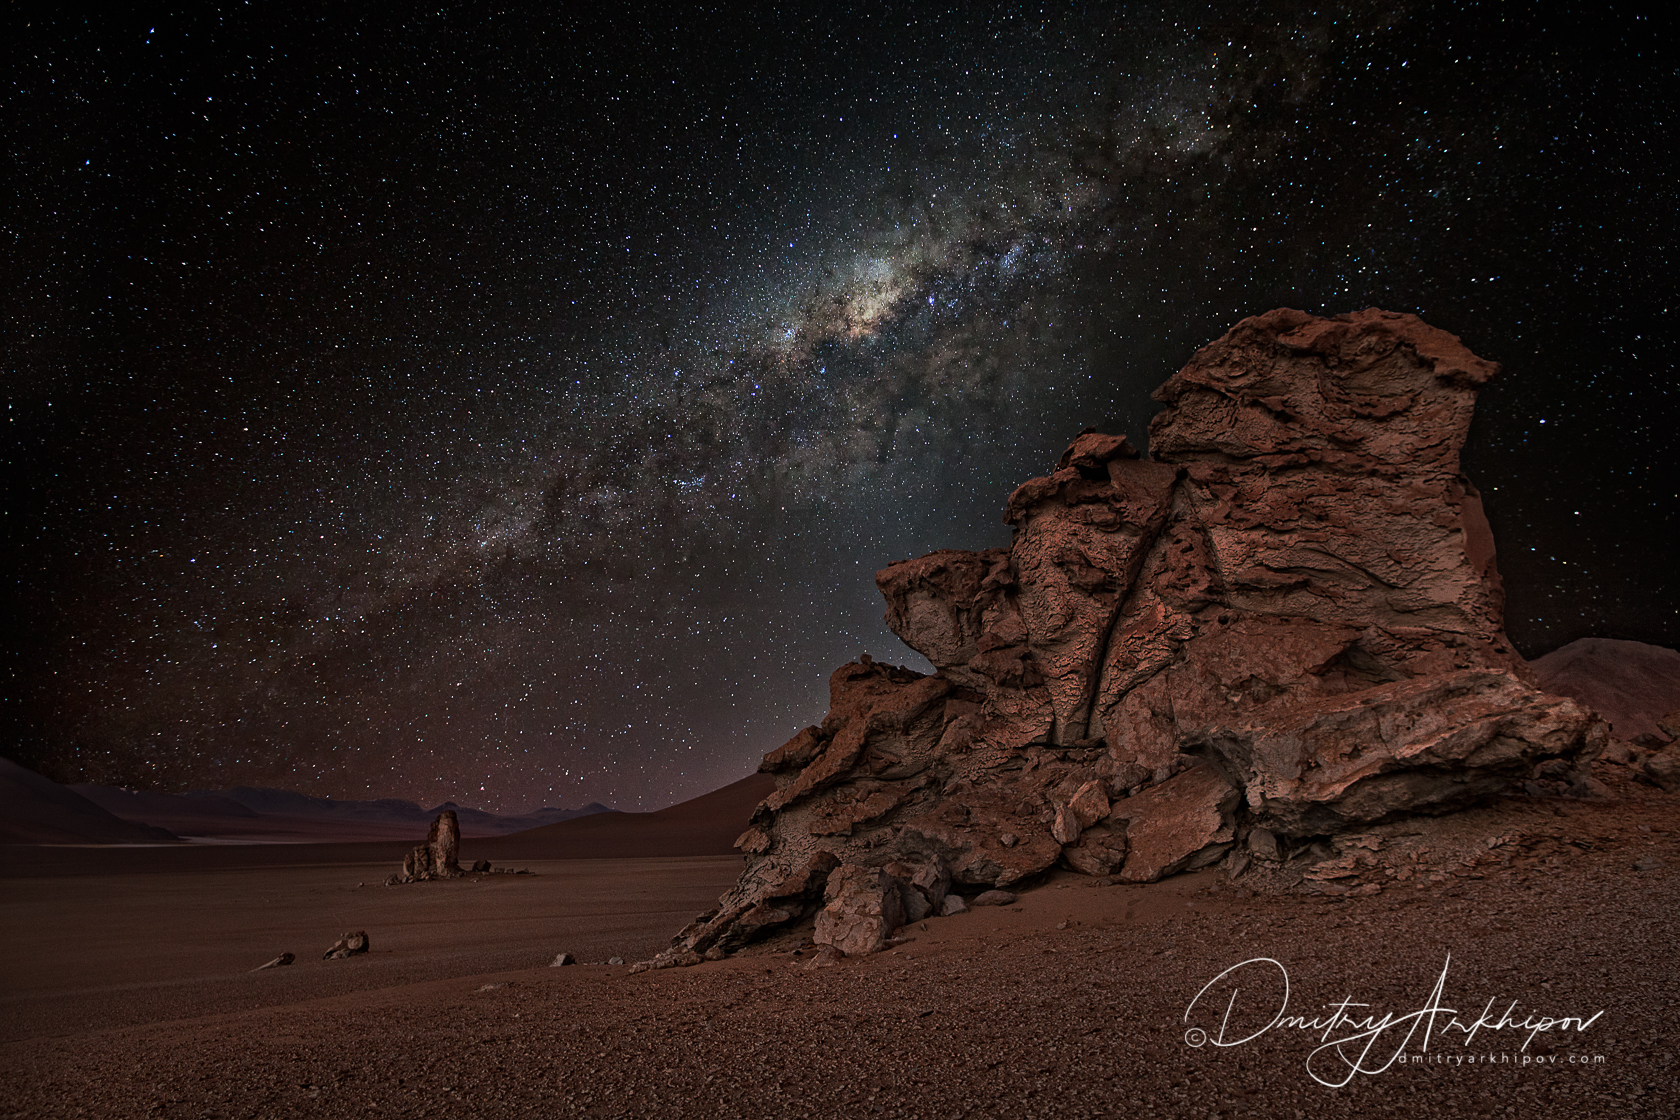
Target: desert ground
{"type": "Point", "coordinates": [128, 989]}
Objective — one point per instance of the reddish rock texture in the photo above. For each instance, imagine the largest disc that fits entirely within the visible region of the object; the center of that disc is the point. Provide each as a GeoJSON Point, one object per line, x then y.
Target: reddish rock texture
{"type": "Point", "coordinates": [1287, 621]}
{"type": "Point", "coordinates": [439, 856]}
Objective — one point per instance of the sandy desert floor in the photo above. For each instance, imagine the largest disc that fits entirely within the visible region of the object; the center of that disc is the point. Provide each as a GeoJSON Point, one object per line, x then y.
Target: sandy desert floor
{"type": "Point", "coordinates": [126, 994]}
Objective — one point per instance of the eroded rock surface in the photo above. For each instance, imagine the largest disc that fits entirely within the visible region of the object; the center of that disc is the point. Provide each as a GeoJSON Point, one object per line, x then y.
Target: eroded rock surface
{"type": "Point", "coordinates": [439, 856]}
{"type": "Point", "coordinates": [1286, 624]}
{"type": "Point", "coordinates": [351, 944]}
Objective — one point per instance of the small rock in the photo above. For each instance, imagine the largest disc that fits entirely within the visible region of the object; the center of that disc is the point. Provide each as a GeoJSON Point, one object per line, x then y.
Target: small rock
{"type": "Point", "coordinates": [1620, 753]}
{"type": "Point", "coordinates": [1664, 769]}
{"type": "Point", "coordinates": [615, 960]}
{"type": "Point", "coordinates": [562, 960]}
{"type": "Point", "coordinates": [281, 961]}
{"type": "Point", "coordinates": [1670, 724]}
{"type": "Point", "coordinates": [1090, 804]}
{"type": "Point", "coordinates": [1100, 851]}
{"type": "Point", "coordinates": [481, 866]}
{"type": "Point", "coordinates": [1263, 843]}
{"type": "Point", "coordinates": [953, 904]}
{"type": "Point", "coordinates": [715, 953]}
{"type": "Point", "coordinates": [1649, 863]}
{"type": "Point", "coordinates": [347, 946]}
{"type": "Point", "coordinates": [827, 956]}
{"type": "Point", "coordinates": [993, 898]}
{"type": "Point", "coordinates": [1066, 828]}
{"type": "Point", "coordinates": [1585, 785]}
{"type": "Point", "coordinates": [1009, 839]}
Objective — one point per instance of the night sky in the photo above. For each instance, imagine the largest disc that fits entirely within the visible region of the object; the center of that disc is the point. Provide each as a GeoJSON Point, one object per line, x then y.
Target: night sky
{"type": "Point", "coordinates": [514, 408]}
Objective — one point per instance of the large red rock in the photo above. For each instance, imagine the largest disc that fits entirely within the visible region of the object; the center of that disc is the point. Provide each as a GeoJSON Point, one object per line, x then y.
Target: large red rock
{"type": "Point", "coordinates": [1184, 820]}
{"type": "Point", "coordinates": [1287, 622]}
{"type": "Point", "coordinates": [439, 856]}
{"type": "Point", "coordinates": [862, 907]}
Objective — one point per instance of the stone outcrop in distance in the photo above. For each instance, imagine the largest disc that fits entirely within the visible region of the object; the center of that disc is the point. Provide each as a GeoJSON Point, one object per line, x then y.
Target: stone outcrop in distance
{"type": "Point", "coordinates": [439, 856]}
{"type": "Point", "coordinates": [1287, 620]}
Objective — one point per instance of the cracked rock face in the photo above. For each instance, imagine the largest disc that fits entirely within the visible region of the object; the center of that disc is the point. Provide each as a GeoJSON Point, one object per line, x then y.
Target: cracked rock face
{"type": "Point", "coordinates": [439, 856]}
{"type": "Point", "coordinates": [1287, 623]}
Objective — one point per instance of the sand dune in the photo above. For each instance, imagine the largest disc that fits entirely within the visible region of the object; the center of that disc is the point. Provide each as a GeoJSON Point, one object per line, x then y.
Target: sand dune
{"type": "Point", "coordinates": [1631, 684]}
{"type": "Point", "coordinates": [37, 810]}
{"type": "Point", "coordinates": [705, 825]}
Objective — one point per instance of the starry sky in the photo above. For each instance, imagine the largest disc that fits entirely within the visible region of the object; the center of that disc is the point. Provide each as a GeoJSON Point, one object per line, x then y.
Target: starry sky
{"type": "Point", "coordinates": [512, 406]}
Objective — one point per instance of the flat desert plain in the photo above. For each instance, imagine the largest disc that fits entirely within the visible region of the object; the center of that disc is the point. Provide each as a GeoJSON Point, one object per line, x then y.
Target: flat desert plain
{"type": "Point", "coordinates": [128, 991]}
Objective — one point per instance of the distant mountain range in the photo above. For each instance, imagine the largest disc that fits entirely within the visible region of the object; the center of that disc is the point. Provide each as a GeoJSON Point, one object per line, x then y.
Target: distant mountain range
{"type": "Point", "coordinates": [35, 809]}
{"type": "Point", "coordinates": [384, 810]}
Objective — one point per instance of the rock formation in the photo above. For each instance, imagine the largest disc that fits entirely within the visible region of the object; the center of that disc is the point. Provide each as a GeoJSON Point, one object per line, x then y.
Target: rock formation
{"type": "Point", "coordinates": [1285, 624]}
{"type": "Point", "coordinates": [439, 856]}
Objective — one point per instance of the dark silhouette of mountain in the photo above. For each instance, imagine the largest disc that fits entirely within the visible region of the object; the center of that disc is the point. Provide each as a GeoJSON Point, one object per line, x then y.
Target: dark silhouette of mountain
{"type": "Point", "coordinates": [37, 810]}
{"type": "Point", "coordinates": [256, 813]}
{"type": "Point", "coordinates": [703, 826]}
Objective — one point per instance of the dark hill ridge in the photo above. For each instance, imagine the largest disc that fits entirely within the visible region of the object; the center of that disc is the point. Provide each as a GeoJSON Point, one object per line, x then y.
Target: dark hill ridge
{"type": "Point", "coordinates": [253, 813]}
{"type": "Point", "coordinates": [389, 810]}
{"type": "Point", "coordinates": [37, 810]}
{"type": "Point", "coordinates": [703, 826]}
{"type": "Point", "coordinates": [1630, 683]}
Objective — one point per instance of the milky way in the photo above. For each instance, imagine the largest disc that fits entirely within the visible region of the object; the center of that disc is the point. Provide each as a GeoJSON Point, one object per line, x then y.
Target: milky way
{"type": "Point", "coordinates": [515, 408]}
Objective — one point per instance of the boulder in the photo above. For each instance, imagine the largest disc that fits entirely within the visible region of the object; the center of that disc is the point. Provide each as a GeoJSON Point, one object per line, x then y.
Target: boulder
{"type": "Point", "coordinates": [861, 909]}
{"type": "Point", "coordinates": [439, 856]}
{"type": "Point", "coordinates": [1285, 624]}
{"type": "Point", "coordinates": [350, 945]}
{"type": "Point", "coordinates": [922, 889]}
{"type": "Point", "coordinates": [993, 898]}
{"type": "Point", "coordinates": [1099, 852]}
{"type": "Point", "coordinates": [1168, 825]}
